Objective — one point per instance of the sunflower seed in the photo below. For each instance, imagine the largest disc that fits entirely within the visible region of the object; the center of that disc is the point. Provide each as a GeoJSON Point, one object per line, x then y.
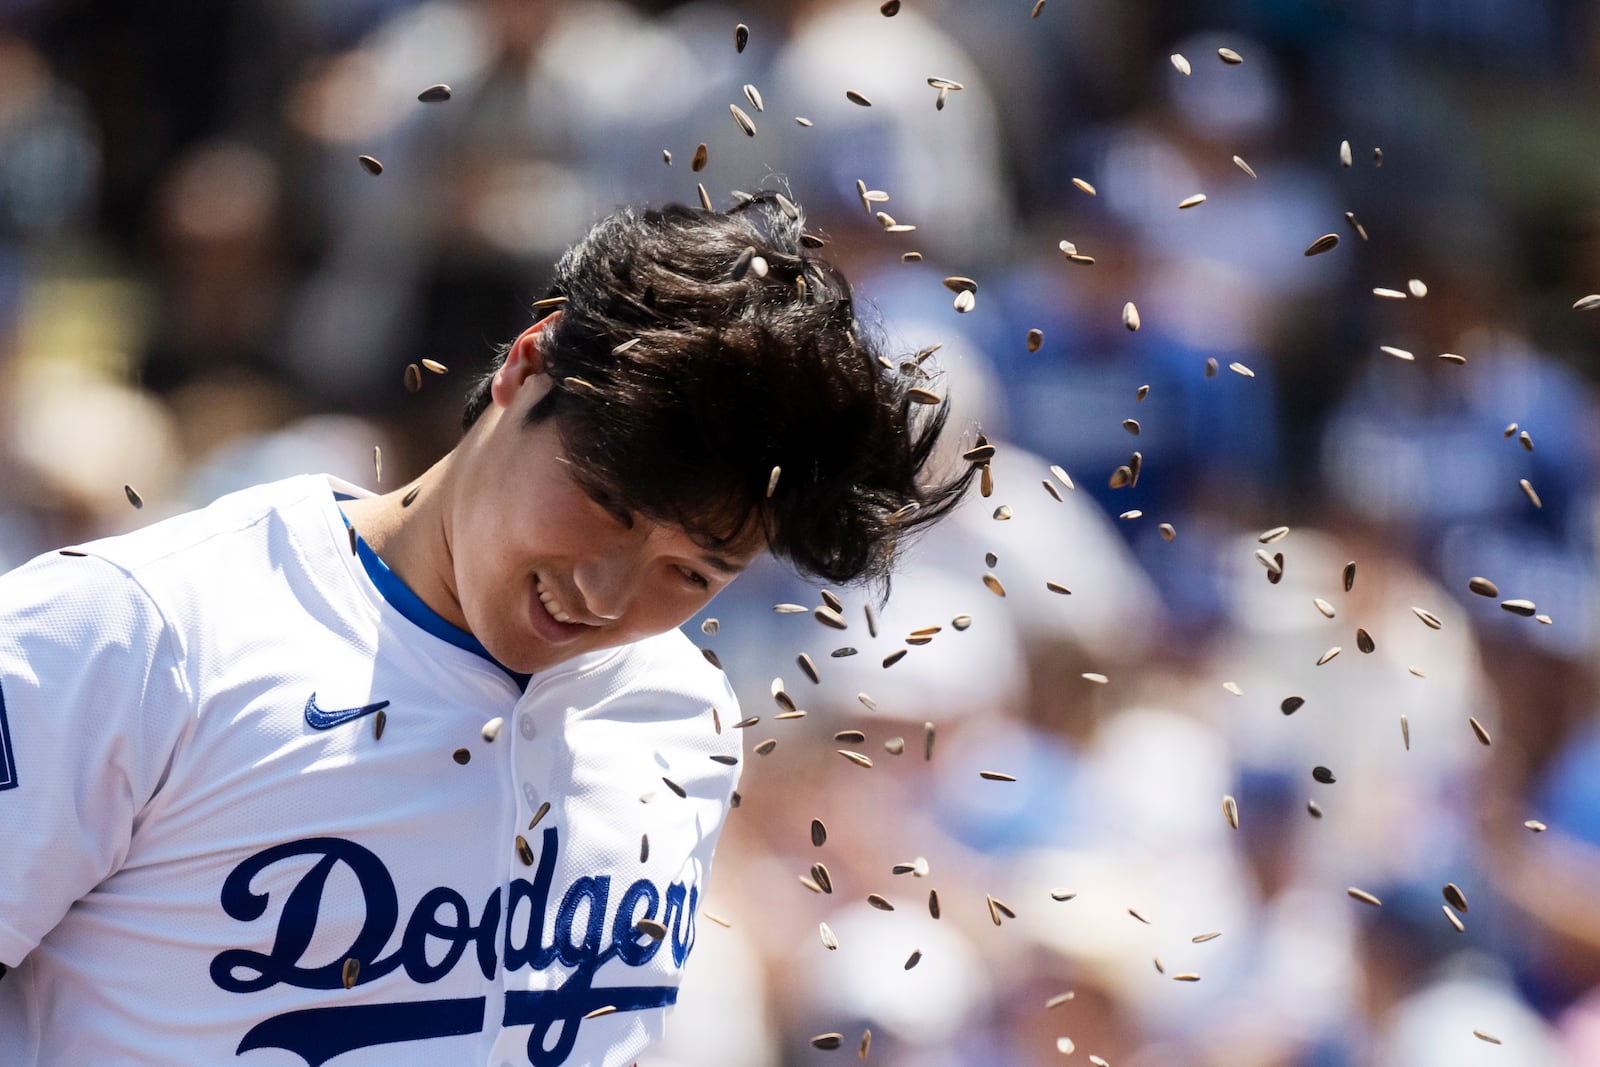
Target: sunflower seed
{"type": "Point", "coordinates": [1451, 357]}
{"type": "Point", "coordinates": [1168, 531]}
{"type": "Point", "coordinates": [698, 163]}
{"type": "Point", "coordinates": [850, 737]}
{"type": "Point", "coordinates": [1461, 927]}
{"type": "Point", "coordinates": [1525, 440]}
{"type": "Point", "coordinates": [1229, 56]}
{"type": "Point", "coordinates": [1389, 294]}
{"type": "Point", "coordinates": [855, 757]}
{"type": "Point", "coordinates": [675, 787]}
{"type": "Point", "coordinates": [491, 729]}
{"type": "Point", "coordinates": [372, 166]}
{"type": "Point", "coordinates": [1242, 165]}
{"type": "Point", "coordinates": [894, 657]}
{"type": "Point", "coordinates": [927, 742]}
{"type": "Point", "coordinates": [1364, 640]}
{"type": "Point", "coordinates": [842, 652]}
{"type": "Point", "coordinates": [1326, 656]}
{"type": "Point", "coordinates": [889, 8]}
{"type": "Point", "coordinates": [958, 284]}
{"type": "Point", "coordinates": [1230, 811]}
{"type": "Point", "coordinates": [913, 959]}
{"type": "Point", "coordinates": [997, 776]}
{"type": "Point", "coordinates": [1363, 896]}
{"type": "Point", "coordinates": [1180, 63]}
{"type": "Point", "coordinates": [133, 497]}
{"type": "Point", "coordinates": [1192, 201]}
{"type": "Point", "coordinates": [830, 617]}
{"type": "Point", "coordinates": [1084, 186]}
{"type": "Point", "coordinates": [1349, 576]}
{"type": "Point", "coordinates": [1200, 939]}
{"type": "Point", "coordinates": [857, 98]}
{"type": "Point", "coordinates": [965, 301]}
{"type": "Point", "coordinates": [741, 37]}
{"type": "Point", "coordinates": [1233, 687]}
{"type": "Point", "coordinates": [379, 721]}
{"type": "Point", "coordinates": [1377, 157]}
{"type": "Point", "coordinates": [1038, 6]}
{"type": "Point", "coordinates": [652, 929]}
{"type": "Point", "coordinates": [434, 94]}
{"type": "Point", "coordinates": [1130, 319]}
{"type": "Point", "coordinates": [922, 396]}
{"type": "Point", "coordinates": [993, 585]}
{"type": "Point", "coordinates": [726, 761]}
{"type": "Point", "coordinates": [1050, 488]}
{"type": "Point", "coordinates": [1418, 287]}
{"type": "Point", "coordinates": [1405, 732]}
{"type": "Point", "coordinates": [1322, 244]}
{"type": "Point", "coordinates": [743, 121]}
{"type": "Point", "coordinates": [1455, 898]}
{"type": "Point", "coordinates": [1002, 513]}
{"type": "Point", "coordinates": [820, 875]}
{"type": "Point", "coordinates": [1323, 775]}
{"type": "Point", "coordinates": [1547, 620]}
{"type": "Point", "coordinates": [807, 881]}
{"type": "Point", "coordinates": [1345, 157]}
{"type": "Point", "coordinates": [1484, 1035]}
{"type": "Point", "coordinates": [1097, 679]}
{"type": "Point", "coordinates": [879, 902]}
{"type": "Point", "coordinates": [1062, 894]}
{"type": "Point", "coordinates": [1536, 826]}
{"type": "Point", "coordinates": [1587, 303]}
{"type": "Point", "coordinates": [461, 756]}
{"type": "Point", "coordinates": [1211, 366]}
{"type": "Point", "coordinates": [866, 1044]}
{"type": "Point", "coordinates": [1525, 608]}
{"type": "Point", "coordinates": [895, 746]}
{"type": "Point", "coordinates": [995, 909]}
{"type": "Point", "coordinates": [410, 497]}
{"type": "Point", "coordinates": [1483, 587]}
{"type": "Point", "coordinates": [1429, 619]}
{"type": "Point", "coordinates": [985, 481]}
{"type": "Point", "coordinates": [1277, 533]}
{"type": "Point", "coordinates": [1291, 705]}
{"type": "Point", "coordinates": [351, 972]}
{"type": "Point", "coordinates": [1132, 426]}
{"type": "Point", "coordinates": [752, 94]}
{"type": "Point", "coordinates": [1136, 915]}
{"type": "Point", "coordinates": [1479, 732]}
{"type": "Point", "coordinates": [1527, 491]}
{"type": "Point", "coordinates": [829, 941]}
{"type": "Point", "coordinates": [946, 84]}
{"type": "Point", "coordinates": [413, 378]}
{"type": "Point", "coordinates": [1313, 809]}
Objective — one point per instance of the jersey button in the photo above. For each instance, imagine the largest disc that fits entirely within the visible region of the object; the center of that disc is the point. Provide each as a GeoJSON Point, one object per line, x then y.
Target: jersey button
{"type": "Point", "coordinates": [525, 724]}
{"type": "Point", "coordinates": [530, 794]}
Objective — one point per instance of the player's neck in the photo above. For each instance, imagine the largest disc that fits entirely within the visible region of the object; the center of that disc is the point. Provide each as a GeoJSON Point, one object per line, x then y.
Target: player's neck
{"type": "Point", "coordinates": [407, 528]}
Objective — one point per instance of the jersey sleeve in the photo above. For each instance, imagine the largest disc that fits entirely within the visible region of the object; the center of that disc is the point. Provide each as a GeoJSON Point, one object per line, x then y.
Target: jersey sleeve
{"type": "Point", "coordinates": [92, 702]}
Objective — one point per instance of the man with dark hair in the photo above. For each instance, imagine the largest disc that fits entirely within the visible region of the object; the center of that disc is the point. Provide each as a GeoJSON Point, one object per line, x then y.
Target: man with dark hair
{"type": "Point", "coordinates": [430, 777]}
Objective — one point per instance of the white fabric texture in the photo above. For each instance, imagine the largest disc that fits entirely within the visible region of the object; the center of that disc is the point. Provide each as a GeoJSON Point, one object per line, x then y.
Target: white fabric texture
{"type": "Point", "coordinates": [199, 827]}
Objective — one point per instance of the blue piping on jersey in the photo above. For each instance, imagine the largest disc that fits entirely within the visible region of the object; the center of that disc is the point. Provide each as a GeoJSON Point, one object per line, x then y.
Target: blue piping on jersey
{"type": "Point", "coordinates": [409, 604]}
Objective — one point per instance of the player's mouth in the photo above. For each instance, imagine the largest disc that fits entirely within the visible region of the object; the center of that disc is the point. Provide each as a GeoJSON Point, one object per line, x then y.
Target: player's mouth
{"type": "Point", "coordinates": [552, 619]}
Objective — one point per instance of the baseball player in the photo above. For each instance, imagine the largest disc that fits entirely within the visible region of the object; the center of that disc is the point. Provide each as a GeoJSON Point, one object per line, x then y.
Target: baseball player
{"type": "Point", "coordinates": [314, 776]}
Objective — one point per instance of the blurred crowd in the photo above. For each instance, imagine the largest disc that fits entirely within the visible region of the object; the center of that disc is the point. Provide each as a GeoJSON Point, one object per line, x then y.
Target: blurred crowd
{"type": "Point", "coordinates": [201, 289]}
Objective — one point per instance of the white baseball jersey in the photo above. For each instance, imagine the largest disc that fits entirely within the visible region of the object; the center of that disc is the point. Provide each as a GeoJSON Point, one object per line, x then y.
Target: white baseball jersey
{"type": "Point", "coordinates": [200, 831]}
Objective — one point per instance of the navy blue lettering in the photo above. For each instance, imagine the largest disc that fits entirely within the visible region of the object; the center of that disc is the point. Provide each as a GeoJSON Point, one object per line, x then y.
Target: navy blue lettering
{"type": "Point", "coordinates": [298, 921]}
{"type": "Point", "coordinates": [425, 924]}
{"type": "Point", "coordinates": [532, 951]}
{"type": "Point", "coordinates": [317, 1035]}
{"type": "Point", "coordinates": [597, 892]}
{"type": "Point", "coordinates": [633, 948]}
{"type": "Point", "coordinates": [8, 757]}
{"type": "Point", "coordinates": [434, 941]}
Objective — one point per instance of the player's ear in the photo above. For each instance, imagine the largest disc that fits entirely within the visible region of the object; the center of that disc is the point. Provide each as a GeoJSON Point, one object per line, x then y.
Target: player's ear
{"type": "Point", "coordinates": [524, 362]}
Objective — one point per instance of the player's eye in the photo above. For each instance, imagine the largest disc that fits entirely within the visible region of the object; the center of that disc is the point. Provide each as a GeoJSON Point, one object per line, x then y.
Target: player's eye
{"type": "Point", "coordinates": [694, 577]}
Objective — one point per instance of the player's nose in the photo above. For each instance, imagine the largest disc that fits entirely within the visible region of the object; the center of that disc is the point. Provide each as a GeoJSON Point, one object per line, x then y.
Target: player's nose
{"type": "Point", "coordinates": [608, 584]}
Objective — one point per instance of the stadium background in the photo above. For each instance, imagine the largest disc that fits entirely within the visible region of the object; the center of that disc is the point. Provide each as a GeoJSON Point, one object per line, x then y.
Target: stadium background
{"type": "Point", "coordinates": [200, 288]}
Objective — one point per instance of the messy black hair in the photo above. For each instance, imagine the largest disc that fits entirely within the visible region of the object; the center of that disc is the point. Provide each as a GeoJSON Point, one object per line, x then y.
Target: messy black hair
{"type": "Point", "coordinates": [697, 351]}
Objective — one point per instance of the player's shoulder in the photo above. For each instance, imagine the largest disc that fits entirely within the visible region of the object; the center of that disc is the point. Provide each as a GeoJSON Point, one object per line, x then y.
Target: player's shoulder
{"type": "Point", "coordinates": [667, 671]}
{"type": "Point", "coordinates": [206, 530]}
{"type": "Point", "coordinates": [668, 663]}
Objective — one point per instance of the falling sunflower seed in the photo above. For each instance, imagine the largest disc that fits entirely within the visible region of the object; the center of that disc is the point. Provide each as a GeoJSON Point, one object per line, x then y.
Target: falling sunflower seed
{"type": "Point", "coordinates": [461, 756]}
{"type": "Point", "coordinates": [1229, 56]}
{"type": "Point", "coordinates": [1405, 732]}
{"type": "Point", "coordinates": [1130, 319]}
{"type": "Point", "coordinates": [434, 94]}
{"type": "Point", "coordinates": [1478, 731]}
{"type": "Point", "coordinates": [1242, 165]}
{"type": "Point", "coordinates": [1328, 655]}
{"type": "Point", "coordinates": [351, 972]}
{"type": "Point", "coordinates": [1397, 353]}
{"type": "Point", "coordinates": [1525, 608]}
{"type": "Point", "coordinates": [413, 378]}
{"type": "Point", "coordinates": [1364, 641]}
{"type": "Point", "coordinates": [1429, 619]}
{"type": "Point", "coordinates": [1483, 587]}
{"type": "Point", "coordinates": [1536, 826]}
{"type": "Point", "coordinates": [742, 120]}
{"type": "Point", "coordinates": [741, 37]}
{"type": "Point", "coordinates": [1168, 531]}
{"type": "Point", "coordinates": [1180, 63]}
{"type": "Point", "coordinates": [1587, 303]}
{"type": "Point", "coordinates": [752, 94]}
{"type": "Point", "coordinates": [857, 98]}
{"type": "Point", "coordinates": [370, 165]}
{"type": "Point", "coordinates": [996, 776]}
{"type": "Point", "coordinates": [1084, 186]}
{"type": "Point", "coordinates": [1528, 491]}
{"type": "Point", "coordinates": [1345, 156]}
{"type": "Point", "coordinates": [1363, 896]}
{"type": "Point", "coordinates": [1322, 244]}
{"type": "Point", "coordinates": [1323, 775]}
{"type": "Point", "coordinates": [1192, 201]}
{"type": "Point", "coordinates": [1291, 705]}
{"type": "Point", "coordinates": [855, 757]}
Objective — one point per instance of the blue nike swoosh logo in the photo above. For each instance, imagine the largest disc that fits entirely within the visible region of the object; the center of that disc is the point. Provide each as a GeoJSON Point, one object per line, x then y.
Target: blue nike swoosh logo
{"type": "Point", "coordinates": [318, 719]}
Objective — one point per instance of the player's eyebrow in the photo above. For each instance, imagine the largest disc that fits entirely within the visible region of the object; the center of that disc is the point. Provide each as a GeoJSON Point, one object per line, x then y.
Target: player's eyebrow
{"type": "Point", "coordinates": [720, 564]}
